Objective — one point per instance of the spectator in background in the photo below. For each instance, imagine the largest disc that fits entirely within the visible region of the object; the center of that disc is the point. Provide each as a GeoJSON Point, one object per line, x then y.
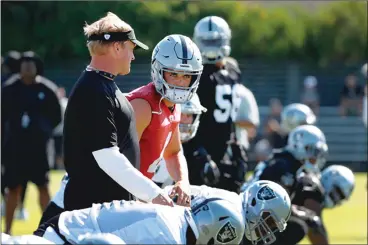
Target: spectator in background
{"type": "Point", "coordinates": [351, 97]}
{"type": "Point", "coordinates": [31, 109]}
{"type": "Point", "coordinates": [310, 96]}
{"type": "Point", "coordinates": [58, 131]}
{"type": "Point", "coordinates": [271, 127]}
{"type": "Point", "coordinates": [262, 150]}
{"type": "Point", "coordinates": [10, 65]}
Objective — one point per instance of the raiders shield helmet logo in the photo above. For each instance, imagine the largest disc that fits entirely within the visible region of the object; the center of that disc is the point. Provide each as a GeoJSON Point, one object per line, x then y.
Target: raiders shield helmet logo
{"type": "Point", "coordinates": [226, 233]}
{"type": "Point", "coordinates": [266, 193]}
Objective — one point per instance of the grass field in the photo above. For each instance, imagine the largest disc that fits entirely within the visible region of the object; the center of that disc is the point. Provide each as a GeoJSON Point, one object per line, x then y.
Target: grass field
{"type": "Point", "coordinates": [346, 224]}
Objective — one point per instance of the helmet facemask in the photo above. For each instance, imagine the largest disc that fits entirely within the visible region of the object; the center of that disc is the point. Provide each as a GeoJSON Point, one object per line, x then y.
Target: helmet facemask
{"type": "Point", "coordinates": [173, 93]}
{"type": "Point", "coordinates": [213, 50]}
{"type": "Point", "coordinates": [262, 222]}
{"type": "Point", "coordinates": [189, 130]}
{"type": "Point", "coordinates": [315, 157]}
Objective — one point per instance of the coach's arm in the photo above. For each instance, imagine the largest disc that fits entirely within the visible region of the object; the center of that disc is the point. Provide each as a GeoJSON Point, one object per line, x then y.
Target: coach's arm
{"type": "Point", "coordinates": [114, 163]}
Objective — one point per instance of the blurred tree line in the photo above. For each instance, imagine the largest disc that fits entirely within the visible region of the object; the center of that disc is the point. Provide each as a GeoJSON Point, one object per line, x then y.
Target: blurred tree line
{"type": "Point", "coordinates": [335, 32]}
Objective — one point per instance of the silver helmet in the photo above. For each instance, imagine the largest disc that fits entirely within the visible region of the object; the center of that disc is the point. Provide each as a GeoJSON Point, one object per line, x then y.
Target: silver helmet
{"type": "Point", "coordinates": [212, 34]}
{"type": "Point", "coordinates": [267, 208]}
{"type": "Point", "coordinates": [218, 222]}
{"type": "Point", "coordinates": [179, 54]}
{"type": "Point", "coordinates": [308, 142]}
{"type": "Point", "coordinates": [295, 115]}
{"type": "Point", "coordinates": [338, 182]}
{"type": "Point", "coordinates": [191, 107]}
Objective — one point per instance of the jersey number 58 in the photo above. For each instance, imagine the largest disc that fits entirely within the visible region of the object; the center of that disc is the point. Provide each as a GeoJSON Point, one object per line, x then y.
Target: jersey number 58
{"type": "Point", "coordinates": [227, 108]}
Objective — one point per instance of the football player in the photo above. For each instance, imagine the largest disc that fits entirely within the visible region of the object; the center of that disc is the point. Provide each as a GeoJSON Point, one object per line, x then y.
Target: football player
{"type": "Point", "coordinates": [265, 206]}
{"type": "Point", "coordinates": [176, 67]}
{"type": "Point", "coordinates": [213, 219]}
{"type": "Point", "coordinates": [222, 93]}
{"type": "Point", "coordinates": [294, 115]}
{"type": "Point", "coordinates": [306, 150]}
{"type": "Point", "coordinates": [202, 170]}
{"type": "Point", "coordinates": [311, 195]}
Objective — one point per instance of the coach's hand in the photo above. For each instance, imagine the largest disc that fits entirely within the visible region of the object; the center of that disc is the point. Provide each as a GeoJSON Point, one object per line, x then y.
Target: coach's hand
{"type": "Point", "coordinates": [182, 190]}
{"type": "Point", "coordinates": [163, 199]}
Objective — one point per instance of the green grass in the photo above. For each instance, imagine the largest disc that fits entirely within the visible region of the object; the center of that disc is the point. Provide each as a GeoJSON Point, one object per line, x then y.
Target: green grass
{"type": "Point", "coordinates": [345, 225]}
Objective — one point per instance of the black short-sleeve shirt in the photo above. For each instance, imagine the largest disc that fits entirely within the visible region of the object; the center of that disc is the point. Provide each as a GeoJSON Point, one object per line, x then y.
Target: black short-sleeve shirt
{"type": "Point", "coordinates": [98, 116]}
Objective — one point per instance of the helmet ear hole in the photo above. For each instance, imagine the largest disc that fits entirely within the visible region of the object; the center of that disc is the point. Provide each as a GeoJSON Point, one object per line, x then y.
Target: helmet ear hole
{"type": "Point", "coordinates": [254, 202]}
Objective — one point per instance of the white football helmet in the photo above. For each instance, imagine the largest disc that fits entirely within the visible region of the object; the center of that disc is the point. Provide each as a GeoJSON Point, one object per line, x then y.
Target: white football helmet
{"type": "Point", "coordinates": [267, 208]}
{"type": "Point", "coordinates": [218, 222]}
{"type": "Point", "coordinates": [338, 182]}
{"type": "Point", "coordinates": [307, 142]}
{"type": "Point", "coordinates": [295, 115]}
{"type": "Point", "coordinates": [194, 107]}
{"type": "Point", "coordinates": [212, 34]}
{"type": "Point", "coordinates": [176, 53]}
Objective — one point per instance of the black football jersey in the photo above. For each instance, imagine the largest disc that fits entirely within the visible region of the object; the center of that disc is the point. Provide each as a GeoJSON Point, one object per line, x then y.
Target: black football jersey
{"type": "Point", "coordinates": [216, 93]}
{"type": "Point", "coordinates": [308, 186]}
{"type": "Point", "coordinates": [281, 168]}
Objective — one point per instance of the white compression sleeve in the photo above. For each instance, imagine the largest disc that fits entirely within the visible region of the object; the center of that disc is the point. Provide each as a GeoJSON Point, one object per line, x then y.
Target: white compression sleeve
{"type": "Point", "coordinates": [119, 168]}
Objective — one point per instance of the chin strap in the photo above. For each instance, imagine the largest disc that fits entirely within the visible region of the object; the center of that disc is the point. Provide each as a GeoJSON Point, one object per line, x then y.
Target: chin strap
{"type": "Point", "coordinates": [159, 106]}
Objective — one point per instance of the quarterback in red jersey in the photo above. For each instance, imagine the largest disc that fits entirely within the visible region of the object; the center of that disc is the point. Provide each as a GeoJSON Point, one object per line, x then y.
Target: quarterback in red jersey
{"type": "Point", "coordinates": [176, 69]}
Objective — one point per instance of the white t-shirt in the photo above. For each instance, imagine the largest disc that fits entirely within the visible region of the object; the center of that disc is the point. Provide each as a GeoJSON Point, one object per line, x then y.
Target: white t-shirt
{"type": "Point", "coordinates": [247, 111]}
{"type": "Point", "coordinates": [131, 221]}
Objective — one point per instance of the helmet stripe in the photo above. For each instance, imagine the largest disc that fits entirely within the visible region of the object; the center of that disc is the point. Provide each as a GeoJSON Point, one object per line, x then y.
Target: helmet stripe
{"type": "Point", "coordinates": [185, 49]}
{"type": "Point", "coordinates": [210, 24]}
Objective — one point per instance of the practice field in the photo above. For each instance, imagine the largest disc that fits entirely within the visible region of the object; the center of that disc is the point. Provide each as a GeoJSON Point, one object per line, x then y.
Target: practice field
{"type": "Point", "coordinates": [345, 225]}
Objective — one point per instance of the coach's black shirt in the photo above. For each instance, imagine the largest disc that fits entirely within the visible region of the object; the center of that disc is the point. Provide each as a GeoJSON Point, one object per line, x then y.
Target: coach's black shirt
{"type": "Point", "coordinates": [98, 116]}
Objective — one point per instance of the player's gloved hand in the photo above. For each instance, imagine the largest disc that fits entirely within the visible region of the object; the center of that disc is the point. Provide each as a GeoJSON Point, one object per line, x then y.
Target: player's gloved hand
{"type": "Point", "coordinates": [211, 173]}
{"type": "Point", "coordinates": [201, 155]}
{"type": "Point", "coordinates": [310, 217]}
{"type": "Point", "coordinates": [163, 199]}
{"type": "Point", "coordinates": [181, 189]}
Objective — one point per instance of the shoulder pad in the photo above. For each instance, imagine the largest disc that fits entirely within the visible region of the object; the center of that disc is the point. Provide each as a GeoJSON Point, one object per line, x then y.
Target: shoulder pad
{"type": "Point", "coordinates": [48, 83]}
{"type": "Point", "coordinates": [12, 79]}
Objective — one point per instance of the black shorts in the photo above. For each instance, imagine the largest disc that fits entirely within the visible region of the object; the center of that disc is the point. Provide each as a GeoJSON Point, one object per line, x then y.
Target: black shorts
{"type": "Point", "coordinates": [51, 210]}
{"type": "Point", "coordinates": [20, 173]}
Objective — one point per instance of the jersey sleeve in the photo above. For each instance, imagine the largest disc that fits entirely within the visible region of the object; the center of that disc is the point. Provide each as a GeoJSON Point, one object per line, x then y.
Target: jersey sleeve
{"type": "Point", "coordinates": [248, 108]}
{"type": "Point", "coordinates": [277, 171]}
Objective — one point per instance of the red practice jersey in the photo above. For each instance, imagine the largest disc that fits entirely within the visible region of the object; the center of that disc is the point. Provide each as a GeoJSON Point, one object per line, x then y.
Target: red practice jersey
{"type": "Point", "coordinates": [159, 132]}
